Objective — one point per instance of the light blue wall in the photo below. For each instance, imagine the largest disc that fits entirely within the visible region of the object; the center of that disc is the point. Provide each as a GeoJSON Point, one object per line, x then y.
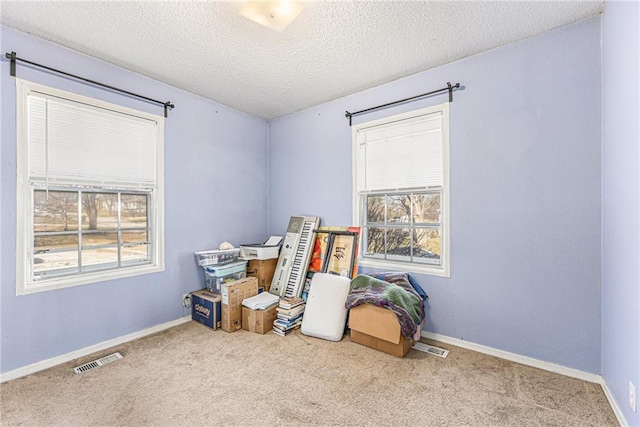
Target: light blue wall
{"type": "Point", "coordinates": [525, 191]}
{"type": "Point", "coordinates": [215, 190]}
{"type": "Point", "coordinates": [621, 199]}
{"type": "Point", "coordinates": [525, 176]}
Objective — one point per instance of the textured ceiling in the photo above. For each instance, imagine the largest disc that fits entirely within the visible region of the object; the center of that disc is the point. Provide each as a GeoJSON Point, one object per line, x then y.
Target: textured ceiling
{"type": "Point", "coordinates": [332, 49]}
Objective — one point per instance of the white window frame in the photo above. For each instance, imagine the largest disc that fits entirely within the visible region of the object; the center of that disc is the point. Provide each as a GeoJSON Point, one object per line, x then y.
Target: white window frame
{"type": "Point", "coordinates": [444, 270]}
{"type": "Point", "coordinates": [25, 280]}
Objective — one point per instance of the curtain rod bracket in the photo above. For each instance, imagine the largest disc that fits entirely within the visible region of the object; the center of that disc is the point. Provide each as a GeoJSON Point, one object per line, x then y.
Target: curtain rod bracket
{"type": "Point", "coordinates": [451, 88]}
{"type": "Point", "coordinates": [348, 114]}
{"type": "Point", "coordinates": [167, 105]}
{"type": "Point", "coordinates": [12, 57]}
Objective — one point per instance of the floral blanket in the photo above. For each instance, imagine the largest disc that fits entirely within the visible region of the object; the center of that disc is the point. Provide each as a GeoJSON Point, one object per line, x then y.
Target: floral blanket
{"type": "Point", "coordinates": [396, 292]}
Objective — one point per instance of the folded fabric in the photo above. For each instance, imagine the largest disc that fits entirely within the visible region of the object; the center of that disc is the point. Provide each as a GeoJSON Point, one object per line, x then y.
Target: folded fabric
{"type": "Point", "coordinates": [401, 279]}
{"type": "Point", "coordinates": [400, 297]}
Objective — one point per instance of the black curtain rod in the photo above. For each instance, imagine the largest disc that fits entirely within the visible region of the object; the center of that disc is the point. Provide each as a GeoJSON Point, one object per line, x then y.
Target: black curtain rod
{"type": "Point", "coordinates": [449, 89]}
{"type": "Point", "coordinates": [12, 56]}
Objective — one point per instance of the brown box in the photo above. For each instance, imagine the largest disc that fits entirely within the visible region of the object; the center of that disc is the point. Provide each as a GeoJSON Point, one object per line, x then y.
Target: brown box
{"type": "Point", "coordinates": [259, 321]}
{"type": "Point", "coordinates": [263, 270]}
{"type": "Point", "coordinates": [378, 328]}
{"type": "Point", "coordinates": [232, 295]}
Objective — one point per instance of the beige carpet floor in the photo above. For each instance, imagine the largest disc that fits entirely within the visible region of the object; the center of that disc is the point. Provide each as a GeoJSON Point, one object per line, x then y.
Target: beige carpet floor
{"type": "Point", "coordinates": [190, 375]}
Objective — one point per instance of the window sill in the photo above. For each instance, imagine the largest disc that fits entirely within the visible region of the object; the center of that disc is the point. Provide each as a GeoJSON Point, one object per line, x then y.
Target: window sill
{"type": "Point", "coordinates": [404, 266]}
{"type": "Point", "coordinates": [94, 277]}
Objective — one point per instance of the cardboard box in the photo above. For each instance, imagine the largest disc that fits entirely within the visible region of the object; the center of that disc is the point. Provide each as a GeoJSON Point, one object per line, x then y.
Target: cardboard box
{"type": "Point", "coordinates": [232, 295]}
{"type": "Point", "coordinates": [263, 270]}
{"type": "Point", "coordinates": [206, 308]}
{"type": "Point", "coordinates": [378, 328]}
{"type": "Point", "coordinates": [259, 321]}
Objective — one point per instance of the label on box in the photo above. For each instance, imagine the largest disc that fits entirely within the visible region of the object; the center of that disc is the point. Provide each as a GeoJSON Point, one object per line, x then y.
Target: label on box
{"type": "Point", "coordinates": [225, 295]}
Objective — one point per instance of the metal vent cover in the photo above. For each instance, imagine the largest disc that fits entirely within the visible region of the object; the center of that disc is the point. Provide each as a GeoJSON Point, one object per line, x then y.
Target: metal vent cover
{"type": "Point", "coordinates": [436, 351]}
{"type": "Point", "coordinates": [97, 363]}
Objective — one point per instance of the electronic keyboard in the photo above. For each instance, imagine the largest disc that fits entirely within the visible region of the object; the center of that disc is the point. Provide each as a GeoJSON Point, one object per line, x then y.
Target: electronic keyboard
{"type": "Point", "coordinates": [291, 270]}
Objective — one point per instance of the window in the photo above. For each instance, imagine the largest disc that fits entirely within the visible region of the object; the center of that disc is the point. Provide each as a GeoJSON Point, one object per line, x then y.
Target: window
{"type": "Point", "coordinates": [89, 192]}
{"type": "Point", "coordinates": [401, 191]}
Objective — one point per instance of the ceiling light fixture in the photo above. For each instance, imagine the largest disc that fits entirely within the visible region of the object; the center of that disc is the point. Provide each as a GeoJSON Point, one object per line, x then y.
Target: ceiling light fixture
{"type": "Point", "coordinates": [276, 15]}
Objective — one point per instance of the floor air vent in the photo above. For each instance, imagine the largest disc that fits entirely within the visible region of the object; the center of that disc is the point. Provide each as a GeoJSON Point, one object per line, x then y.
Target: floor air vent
{"type": "Point", "coordinates": [436, 351]}
{"type": "Point", "coordinates": [97, 363]}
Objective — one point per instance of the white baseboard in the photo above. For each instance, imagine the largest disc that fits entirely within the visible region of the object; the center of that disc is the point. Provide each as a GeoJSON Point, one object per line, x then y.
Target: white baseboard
{"type": "Point", "coordinates": [524, 360]}
{"type": "Point", "coordinates": [48, 363]}
{"type": "Point", "coordinates": [536, 363]}
{"type": "Point", "coordinates": [614, 405]}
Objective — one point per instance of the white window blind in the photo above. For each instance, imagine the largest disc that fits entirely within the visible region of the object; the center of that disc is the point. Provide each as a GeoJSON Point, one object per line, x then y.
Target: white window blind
{"type": "Point", "coordinates": [102, 167]}
{"type": "Point", "coordinates": [401, 155]}
{"type": "Point", "coordinates": [72, 141]}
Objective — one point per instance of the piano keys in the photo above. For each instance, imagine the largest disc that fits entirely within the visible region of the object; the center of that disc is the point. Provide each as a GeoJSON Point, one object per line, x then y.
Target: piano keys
{"type": "Point", "coordinates": [291, 270]}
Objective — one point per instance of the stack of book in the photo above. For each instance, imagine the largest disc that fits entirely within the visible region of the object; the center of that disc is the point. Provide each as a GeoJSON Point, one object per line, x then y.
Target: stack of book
{"type": "Point", "coordinates": [290, 311]}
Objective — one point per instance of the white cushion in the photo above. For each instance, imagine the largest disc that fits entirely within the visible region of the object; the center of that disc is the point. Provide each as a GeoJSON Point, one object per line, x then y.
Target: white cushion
{"type": "Point", "coordinates": [325, 316]}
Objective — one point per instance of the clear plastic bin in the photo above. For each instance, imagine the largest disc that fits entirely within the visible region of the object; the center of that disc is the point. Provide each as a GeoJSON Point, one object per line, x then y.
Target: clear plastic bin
{"type": "Point", "coordinates": [215, 277]}
{"type": "Point", "coordinates": [217, 257]}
